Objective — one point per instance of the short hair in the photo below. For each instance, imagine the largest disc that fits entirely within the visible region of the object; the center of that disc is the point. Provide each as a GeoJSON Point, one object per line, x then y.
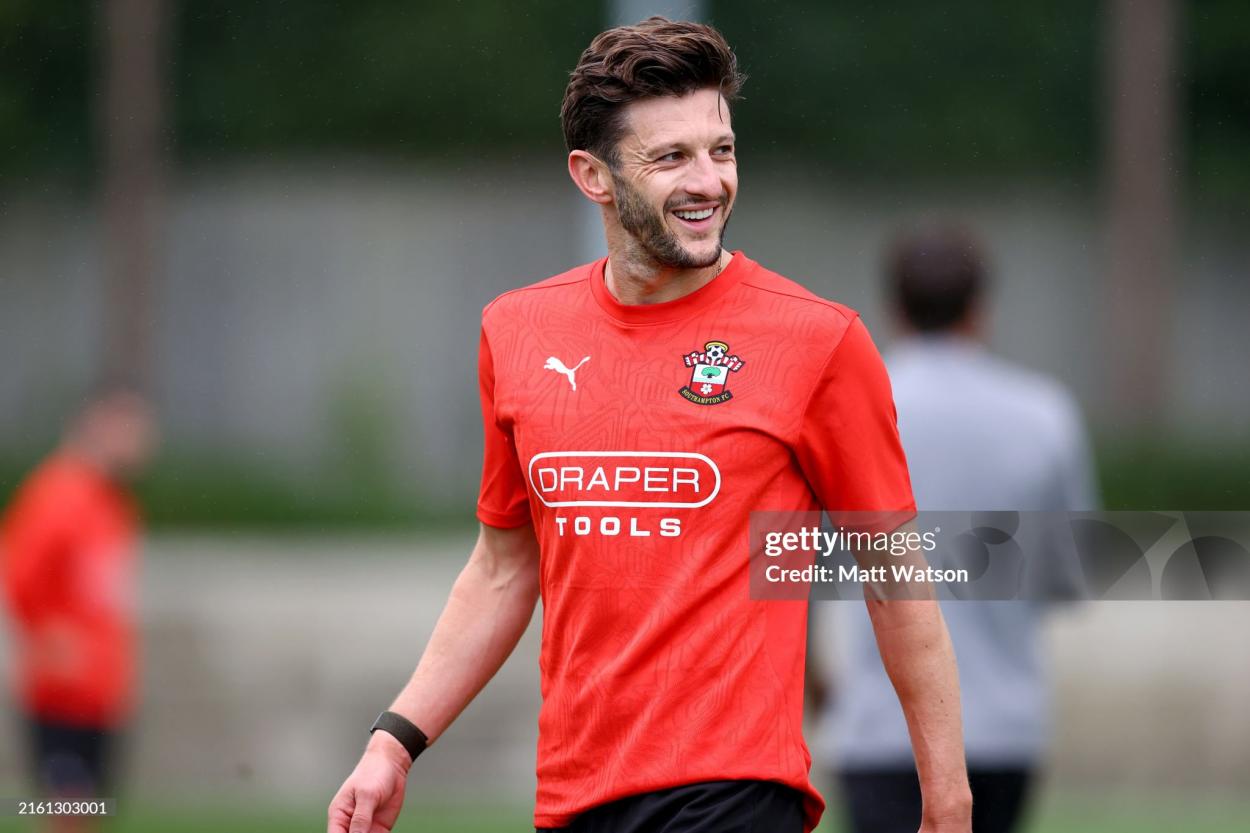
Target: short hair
{"type": "Point", "coordinates": [936, 274]}
{"type": "Point", "coordinates": [657, 57]}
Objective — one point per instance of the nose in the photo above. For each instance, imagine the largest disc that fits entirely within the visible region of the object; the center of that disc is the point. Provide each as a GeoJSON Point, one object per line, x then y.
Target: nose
{"type": "Point", "coordinates": [703, 179]}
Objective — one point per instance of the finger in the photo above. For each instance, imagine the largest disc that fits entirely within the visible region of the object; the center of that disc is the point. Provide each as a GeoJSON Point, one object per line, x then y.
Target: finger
{"type": "Point", "coordinates": [340, 814]}
{"type": "Point", "coordinates": [387, 813]}
{"type": "Point", "coordinates": [362, 817]}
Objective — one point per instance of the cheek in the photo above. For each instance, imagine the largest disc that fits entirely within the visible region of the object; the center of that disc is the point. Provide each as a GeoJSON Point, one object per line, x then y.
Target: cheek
{"type": "Point", "coordinates": [657, 190]}
{"type": "Point", "coordinates": [137, 445]}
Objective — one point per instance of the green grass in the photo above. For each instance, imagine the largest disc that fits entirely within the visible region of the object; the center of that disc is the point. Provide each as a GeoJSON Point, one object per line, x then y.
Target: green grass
{"type": "Point", "coordinates": [1179, 814]}
{"type": "Point", "coordinates": [207, 819]}
{"type": "Point", "coordinates": [1154, 813]}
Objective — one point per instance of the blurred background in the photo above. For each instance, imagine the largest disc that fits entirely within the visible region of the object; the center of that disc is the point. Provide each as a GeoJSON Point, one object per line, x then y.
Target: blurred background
{"type": "Point", "coordinates": [284, 219]}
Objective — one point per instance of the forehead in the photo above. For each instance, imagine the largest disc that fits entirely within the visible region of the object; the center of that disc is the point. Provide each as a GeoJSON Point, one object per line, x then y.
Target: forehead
{"type": "Point", "coordinates": [700, 115]}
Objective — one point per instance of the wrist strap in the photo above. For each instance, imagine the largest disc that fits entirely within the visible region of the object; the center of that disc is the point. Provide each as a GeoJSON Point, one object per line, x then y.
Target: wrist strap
{"type": "Point", "coordinates": [403, 730]}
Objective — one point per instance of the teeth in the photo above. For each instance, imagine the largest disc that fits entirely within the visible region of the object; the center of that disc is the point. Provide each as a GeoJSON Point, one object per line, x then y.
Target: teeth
{"type": "Point", "coordinates": [695, 215]}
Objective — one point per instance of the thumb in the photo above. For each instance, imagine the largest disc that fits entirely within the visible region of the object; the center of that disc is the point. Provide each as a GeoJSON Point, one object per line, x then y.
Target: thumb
{"type": "Point", "coordinates": [362, 818]}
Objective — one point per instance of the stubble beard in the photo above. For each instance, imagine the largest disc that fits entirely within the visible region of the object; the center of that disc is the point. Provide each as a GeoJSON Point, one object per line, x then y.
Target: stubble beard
{"type": "Point", "coordinates": [652, 234]}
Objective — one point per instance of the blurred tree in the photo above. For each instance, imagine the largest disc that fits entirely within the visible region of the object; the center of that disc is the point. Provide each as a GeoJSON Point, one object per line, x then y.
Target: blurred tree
{"type": "Point", "coordinates": [45, 75]}
{"type": "Point", "coordinates": [1214, 67]}
{"type": "Point", "coordinates": [131, 133]}
{"type": "Point", "coordinates": [900, 89]}
{"type": "Point", "coordinates": [917, 88]}
{"type": "Point", "coordinates": [390, 75]}
{"type": "Point", "coordinates": [1142, 160]}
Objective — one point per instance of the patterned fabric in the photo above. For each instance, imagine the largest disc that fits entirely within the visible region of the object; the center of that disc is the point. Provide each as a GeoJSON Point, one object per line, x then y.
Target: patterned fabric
{"type": "Point", "coordinates": [638, 439]}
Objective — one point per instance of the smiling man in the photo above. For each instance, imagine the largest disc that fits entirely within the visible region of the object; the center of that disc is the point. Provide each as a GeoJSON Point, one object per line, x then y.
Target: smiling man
{"type": "Point", "coordinates": [691, 386]}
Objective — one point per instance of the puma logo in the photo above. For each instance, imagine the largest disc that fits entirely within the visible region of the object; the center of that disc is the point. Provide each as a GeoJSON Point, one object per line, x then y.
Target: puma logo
{"type": "Point", "coordinates": [558, 366]}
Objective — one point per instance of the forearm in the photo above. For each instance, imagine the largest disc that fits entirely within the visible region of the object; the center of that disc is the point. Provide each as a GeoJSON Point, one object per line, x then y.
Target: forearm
{"type": "Point", "coordinates": [488, 609]}
{"type": "Point", "coordinates": [916, 650]}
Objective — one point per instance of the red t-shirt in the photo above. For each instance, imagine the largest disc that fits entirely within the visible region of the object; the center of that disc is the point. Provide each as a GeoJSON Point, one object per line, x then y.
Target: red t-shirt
{"type": "Point", "coordinates": [68, 557]}
{"type": "Point", "coordinates": [638, 439]}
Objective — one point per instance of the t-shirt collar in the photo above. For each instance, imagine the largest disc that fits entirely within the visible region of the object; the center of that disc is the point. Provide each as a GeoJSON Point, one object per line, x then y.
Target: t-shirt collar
{"type": "Point", "coordinates": [678, 308]}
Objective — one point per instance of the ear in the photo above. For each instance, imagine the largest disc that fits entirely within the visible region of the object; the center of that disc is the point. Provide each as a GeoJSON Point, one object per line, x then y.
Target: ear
{"type": "Point", "coordinates": [590, 175]}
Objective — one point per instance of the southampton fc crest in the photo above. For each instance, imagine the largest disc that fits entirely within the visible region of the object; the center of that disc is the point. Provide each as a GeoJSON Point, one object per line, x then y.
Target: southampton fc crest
{"type": "Point", "coordinates": [709, 375]}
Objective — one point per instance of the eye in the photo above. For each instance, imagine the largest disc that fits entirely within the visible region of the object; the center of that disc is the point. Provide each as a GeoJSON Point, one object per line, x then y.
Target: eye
{"type": "Point", "coordinates": [724, 150]}
{"type": "Point", "coordinates": [672, 156]}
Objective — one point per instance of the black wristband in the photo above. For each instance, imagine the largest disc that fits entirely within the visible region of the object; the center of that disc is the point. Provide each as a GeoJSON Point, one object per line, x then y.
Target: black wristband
{"type": "Point", "coordinates": [403, 730]}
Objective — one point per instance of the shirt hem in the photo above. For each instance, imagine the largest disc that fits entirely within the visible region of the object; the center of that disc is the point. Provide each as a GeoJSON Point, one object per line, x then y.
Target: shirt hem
{"type": "Point", "coordinates": [502, 520]}
{"type": "Point", "coordinates": [814, 805]}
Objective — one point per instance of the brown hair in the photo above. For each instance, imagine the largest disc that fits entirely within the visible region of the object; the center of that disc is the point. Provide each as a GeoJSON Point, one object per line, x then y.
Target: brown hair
{"type": "Point", "coordinates": [936, 275]}
{"type": "Point", "coordinates": [656, 57]}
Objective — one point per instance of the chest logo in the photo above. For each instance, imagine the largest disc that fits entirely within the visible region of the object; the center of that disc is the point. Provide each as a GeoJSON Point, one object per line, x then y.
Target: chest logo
{"type": "Point", "coordinates": [558, 366]}
{"type": "Point", "coordinates": [709, 375]}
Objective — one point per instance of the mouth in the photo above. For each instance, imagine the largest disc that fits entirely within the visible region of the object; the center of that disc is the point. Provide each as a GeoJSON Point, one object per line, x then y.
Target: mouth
{"type": "Point", "coordinates": [697, 217]}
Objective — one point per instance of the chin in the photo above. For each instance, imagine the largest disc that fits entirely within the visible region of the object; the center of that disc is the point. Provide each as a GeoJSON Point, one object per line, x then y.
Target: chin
{"type": "Point", "coordinates": [705, 255]}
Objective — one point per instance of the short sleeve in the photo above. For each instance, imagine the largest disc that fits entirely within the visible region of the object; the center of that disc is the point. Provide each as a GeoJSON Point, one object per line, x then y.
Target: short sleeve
{"type": "Point", "coordinates": [848, 445]}
{"type": "Point", "coordinates": [502, 500]}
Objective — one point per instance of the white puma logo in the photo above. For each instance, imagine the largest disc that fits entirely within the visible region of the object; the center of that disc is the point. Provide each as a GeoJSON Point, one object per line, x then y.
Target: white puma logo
{"type": "Point", "coordinates": [558, 366]}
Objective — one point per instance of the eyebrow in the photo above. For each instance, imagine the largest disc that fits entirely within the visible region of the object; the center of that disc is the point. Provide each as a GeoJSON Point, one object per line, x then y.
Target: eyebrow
{"type": "Point", "coordinates": [669, 147]}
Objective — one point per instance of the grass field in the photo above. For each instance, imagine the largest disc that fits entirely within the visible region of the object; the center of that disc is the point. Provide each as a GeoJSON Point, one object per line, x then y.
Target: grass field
{"type": "Point", "coordinates": [1075, 816]}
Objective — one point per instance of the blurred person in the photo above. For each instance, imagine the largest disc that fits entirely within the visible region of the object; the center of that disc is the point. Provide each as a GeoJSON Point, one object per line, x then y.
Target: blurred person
{"type": "Point", "coordinates": [636, 410]}
{"type": "Point", "coordinates": [981, 434]}
{"type": "Point", "coordinates": [69, 557]}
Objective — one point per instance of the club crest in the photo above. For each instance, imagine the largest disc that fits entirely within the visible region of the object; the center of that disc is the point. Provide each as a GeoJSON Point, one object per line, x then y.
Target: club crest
{"type": "Point", "coordinates": [709, 375]}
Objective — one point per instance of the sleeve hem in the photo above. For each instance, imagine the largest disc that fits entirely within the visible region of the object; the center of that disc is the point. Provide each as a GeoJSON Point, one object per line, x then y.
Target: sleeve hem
{"type": "Point", "coordinates": [873, 520]}
{"type": "Point", "coordinates": [503, 520]}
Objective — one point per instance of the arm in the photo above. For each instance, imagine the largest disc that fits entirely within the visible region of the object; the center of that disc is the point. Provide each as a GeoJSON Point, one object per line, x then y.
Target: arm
{"type": "Point", "coordinates": [920, 661]}
{"type": "Point", "coordinates": [849, 450]}
{"type": "Point", "coordinates": [38, 544]}
{"type": "Point", "coordinates": [33, 541]}
{"type": "Point", "coordinates": [488, 610]}
{"type": "Point", "coordinates": [918, 656]}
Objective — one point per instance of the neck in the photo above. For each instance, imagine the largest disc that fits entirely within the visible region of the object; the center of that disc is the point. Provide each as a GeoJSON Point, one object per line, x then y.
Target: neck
{"type": "Point", "coordinates": [634, 277]}
{"type": "Point", "coordinates": [970, 329]}
{"type": "Point", "coordinates": [82, 451]}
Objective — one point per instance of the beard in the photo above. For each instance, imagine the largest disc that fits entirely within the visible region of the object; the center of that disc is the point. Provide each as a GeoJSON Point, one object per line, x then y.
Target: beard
{"type": "Point", "coordinates": [648, 228]}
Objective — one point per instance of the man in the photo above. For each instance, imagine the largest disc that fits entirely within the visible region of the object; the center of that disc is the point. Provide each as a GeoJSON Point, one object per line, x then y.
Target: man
{"type": "Point", "coordinates": [69, 557]}
{"type": "Point", "coordinates": [637, 409]}
{"type": "Point", "coordinates": [980, 434]}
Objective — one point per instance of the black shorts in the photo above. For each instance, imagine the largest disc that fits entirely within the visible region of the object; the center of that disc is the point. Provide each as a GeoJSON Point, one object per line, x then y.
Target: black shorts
{"type": "Point", "coordinates": [708, 807]}
{"type": "Point", "coordinates": [70, 760]}
{"type": "Point", "coordinates": [888, 800]}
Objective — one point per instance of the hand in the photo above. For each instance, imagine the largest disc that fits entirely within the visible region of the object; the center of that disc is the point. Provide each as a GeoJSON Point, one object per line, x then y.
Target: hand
{"type": "Point", "coordinates": [819, 695]}
{"type": "Point", "coordinates": [370, 799]}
